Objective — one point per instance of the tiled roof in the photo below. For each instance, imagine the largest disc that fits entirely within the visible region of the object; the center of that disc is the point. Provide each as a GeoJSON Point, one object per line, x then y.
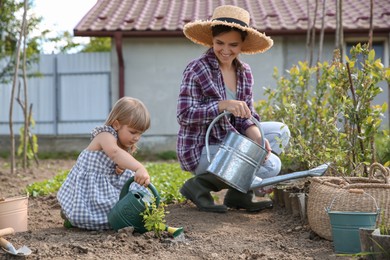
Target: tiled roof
{"type": "Point", "coordinates": [167, 17]}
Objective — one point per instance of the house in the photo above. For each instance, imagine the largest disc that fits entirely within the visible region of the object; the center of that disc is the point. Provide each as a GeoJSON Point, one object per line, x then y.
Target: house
{"type": "Point", "coordinates": [149, 51]}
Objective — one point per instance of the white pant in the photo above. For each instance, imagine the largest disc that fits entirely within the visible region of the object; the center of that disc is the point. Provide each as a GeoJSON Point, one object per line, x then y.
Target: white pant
{"type": "Point", "coordinates": [278, 136]}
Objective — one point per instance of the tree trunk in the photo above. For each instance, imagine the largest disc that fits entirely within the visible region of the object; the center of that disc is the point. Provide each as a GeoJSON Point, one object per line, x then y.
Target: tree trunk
{"type": "Point", "coordinates": [339, 28]}
{"type": "Point", "coordinates": [313, 34]}
{"type": "Point", "coordinates": [308, 30]}
{"type": "Point", "coordinates": [321, 41]}
{"type": "Point", "coordinates": [15, 79]}
{"type": "Point", "coordinates": [25, 111]}
{"type": "Point", "coordinates": [370, 34]}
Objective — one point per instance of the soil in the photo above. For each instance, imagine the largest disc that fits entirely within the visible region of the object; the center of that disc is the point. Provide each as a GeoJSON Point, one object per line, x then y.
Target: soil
{"type": "Point", "coordinates": [269, 234]}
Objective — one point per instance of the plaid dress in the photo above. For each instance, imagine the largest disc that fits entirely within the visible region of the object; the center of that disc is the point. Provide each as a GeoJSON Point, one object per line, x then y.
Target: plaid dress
{"type": "Point", "coordinates": [92, 188]}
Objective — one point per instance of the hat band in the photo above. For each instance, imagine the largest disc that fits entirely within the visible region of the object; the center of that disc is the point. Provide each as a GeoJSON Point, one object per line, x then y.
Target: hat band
{"type": "Point", "coordinates": [231, 20]}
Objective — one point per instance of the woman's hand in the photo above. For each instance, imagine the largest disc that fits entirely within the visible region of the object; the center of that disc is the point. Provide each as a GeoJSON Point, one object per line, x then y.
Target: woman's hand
{"type": "Point", "coordinates": [236, 107]}
{"type": "Point", "coordinates": [253, 133]}
{"type": "Point", "coordinates": [268, 148]}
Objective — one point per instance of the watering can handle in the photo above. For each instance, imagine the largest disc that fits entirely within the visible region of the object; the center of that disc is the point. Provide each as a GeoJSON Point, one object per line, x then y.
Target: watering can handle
{"type": "Point", "coordinates": [125, 190]}
{"type": "Point", "coordinates": [254, 120]}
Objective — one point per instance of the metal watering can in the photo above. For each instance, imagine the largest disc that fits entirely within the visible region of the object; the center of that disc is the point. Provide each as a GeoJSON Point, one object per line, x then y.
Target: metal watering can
{"type": "Point", "coordinates": [127, 211]}
{"type": "Point", "coordinates": [238, 158]}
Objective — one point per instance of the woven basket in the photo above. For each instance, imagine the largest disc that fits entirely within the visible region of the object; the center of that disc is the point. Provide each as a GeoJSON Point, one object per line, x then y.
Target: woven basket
{"type": "Point", "coordinates": [323, 190]}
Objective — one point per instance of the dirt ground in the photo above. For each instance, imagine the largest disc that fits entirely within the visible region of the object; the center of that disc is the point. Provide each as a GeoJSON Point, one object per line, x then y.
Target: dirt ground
{"type": "Point", "coordinates": [270, 234]}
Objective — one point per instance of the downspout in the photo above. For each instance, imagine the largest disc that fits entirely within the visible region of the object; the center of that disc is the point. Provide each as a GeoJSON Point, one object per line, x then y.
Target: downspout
{"type": "Point", "coordinates": [121, 64]}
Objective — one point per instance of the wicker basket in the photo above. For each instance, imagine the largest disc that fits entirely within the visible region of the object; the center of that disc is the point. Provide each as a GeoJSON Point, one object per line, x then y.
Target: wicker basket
{"type": "Point", "coordinates": [323, 190]}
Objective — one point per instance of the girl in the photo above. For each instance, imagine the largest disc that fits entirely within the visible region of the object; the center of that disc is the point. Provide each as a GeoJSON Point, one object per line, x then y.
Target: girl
{"type": "Point", "coordinates": [93, 185]}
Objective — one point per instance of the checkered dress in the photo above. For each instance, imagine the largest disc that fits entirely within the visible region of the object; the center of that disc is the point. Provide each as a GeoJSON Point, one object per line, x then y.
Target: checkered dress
{"type": "Point", "coordinates": [92, 188]}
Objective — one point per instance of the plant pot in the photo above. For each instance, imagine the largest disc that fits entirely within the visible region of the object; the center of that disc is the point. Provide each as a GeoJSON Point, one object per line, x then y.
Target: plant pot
{"type": "Point", "coordinates": [366, 243]}
{"type": "Point", "coordinates": [381, 245]}
{"type": "Point", "coordinates": [287, 201]}
{"type": "Point", "coordinates": [13, 213]}
{"type": "Point", "coordinates": [295, 204]}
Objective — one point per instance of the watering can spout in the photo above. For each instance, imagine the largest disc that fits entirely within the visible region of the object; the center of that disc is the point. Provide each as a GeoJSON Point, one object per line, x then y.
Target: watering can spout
{"type": "Point", "coordinates": [318, 171]}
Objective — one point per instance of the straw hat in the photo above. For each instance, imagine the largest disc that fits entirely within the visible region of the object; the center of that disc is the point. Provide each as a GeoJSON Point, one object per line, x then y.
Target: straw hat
{"type": "Point", "coordinates": [200, 31]}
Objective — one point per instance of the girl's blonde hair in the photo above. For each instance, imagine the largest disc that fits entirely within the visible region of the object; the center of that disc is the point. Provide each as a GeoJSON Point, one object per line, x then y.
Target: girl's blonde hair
{"type": "Point", "coordinates": [131, 112]}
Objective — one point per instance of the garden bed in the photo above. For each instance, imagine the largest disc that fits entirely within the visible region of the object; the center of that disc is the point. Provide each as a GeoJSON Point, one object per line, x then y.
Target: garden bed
{"type": "Point", "coordinates": [271, 234]}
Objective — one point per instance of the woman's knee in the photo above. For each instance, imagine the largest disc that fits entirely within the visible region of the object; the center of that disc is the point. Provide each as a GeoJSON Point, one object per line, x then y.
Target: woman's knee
{"type": "Point", "coordinates": [285, 135]}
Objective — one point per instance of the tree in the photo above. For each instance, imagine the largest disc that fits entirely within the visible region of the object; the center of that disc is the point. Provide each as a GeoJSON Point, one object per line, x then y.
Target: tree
{"type": "Point", "coordinates": [98, 44]}
{"type": "Point", "coordinates": [65, 43]}
{"type": "Point", "coordinates": [15, 26]}
{"type": "Point", "coordinates": [10, 25]}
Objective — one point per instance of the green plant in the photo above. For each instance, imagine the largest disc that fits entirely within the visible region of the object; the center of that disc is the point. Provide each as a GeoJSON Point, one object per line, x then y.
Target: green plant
{"type": "Point", "coordinates": [382, 144]}
{"type": "Point", "coordinates": [154, 217]}
{"type": "Point", "coordinates": [47, 187]}
{"type": "Point", "coordinates": [328, 110]}
{"type": "Point", "coordinates": [384, 229]}
{"type": "Point", "coordinates": [166, 177]}
{"type": "Point", "coordinates": [32, 144]}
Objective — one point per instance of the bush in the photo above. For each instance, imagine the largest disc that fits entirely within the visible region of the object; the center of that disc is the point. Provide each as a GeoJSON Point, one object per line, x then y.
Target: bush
{"type": "Point", "coordinates": [328, 110]}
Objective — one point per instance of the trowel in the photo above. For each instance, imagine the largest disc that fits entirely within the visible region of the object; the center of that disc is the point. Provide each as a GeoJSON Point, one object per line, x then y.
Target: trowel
{"type": "Point", "coordinates": [8, 247]}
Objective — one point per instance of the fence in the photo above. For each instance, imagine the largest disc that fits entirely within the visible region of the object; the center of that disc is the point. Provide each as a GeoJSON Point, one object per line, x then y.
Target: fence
{"type": "Point", "coordinates": [71, 95]}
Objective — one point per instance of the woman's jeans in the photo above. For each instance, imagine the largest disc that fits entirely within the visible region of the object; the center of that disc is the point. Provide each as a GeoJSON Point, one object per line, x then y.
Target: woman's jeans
{"type": "Point", "coordinates": [278, 136]}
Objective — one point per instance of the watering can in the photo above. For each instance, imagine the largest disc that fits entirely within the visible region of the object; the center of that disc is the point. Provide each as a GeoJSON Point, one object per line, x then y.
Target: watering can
{"type": "Point", "coordinates": [127, 211]}
{"type": "Point", "coordinates": [238, 158]}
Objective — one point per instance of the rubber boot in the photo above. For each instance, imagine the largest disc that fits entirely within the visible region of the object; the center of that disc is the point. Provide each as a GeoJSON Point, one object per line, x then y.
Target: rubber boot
{"type": "Point", "coordinates": [238, 200]}
{"type": "Point", "coordinates": [198, 188]}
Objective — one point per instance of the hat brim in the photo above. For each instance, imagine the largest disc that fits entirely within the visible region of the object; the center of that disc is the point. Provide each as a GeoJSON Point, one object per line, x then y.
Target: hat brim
{"type": "Point", "coordinates": [199, 32]}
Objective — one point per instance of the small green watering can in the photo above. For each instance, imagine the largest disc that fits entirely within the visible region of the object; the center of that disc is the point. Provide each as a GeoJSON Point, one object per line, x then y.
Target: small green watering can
{"type": "Point", "coordinates": [127, 211]}
{"type": "Point", "coordinates": [131, 204]}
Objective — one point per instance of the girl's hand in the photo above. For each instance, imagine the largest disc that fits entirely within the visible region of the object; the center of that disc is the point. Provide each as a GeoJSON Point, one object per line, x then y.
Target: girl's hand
{"type": "Point", "coordinates": [142, 177]}
{"type": "Point", "coordinates": [118, 170]}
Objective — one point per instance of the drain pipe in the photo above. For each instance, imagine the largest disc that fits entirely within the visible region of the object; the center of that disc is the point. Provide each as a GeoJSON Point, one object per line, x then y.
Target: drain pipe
{"type": "Point", "coordinates": [121, 64]}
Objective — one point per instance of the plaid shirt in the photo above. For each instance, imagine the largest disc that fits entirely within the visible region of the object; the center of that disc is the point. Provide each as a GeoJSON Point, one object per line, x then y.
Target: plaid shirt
{"type": "Point", "coordinates": [201, 89]}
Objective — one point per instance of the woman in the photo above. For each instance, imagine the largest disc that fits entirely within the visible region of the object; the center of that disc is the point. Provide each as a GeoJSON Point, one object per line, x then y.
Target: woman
{"type": "Point", "coordinates": [218, 82]}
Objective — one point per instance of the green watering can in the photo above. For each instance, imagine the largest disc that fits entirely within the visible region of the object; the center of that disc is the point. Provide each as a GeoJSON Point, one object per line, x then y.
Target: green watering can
{"type": "Point", "coordinates": [127, 211]}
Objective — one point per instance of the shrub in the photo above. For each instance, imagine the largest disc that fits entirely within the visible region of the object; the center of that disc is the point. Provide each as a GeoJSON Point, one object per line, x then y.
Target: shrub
{"type": "Point", "coordinates": [328, 108]}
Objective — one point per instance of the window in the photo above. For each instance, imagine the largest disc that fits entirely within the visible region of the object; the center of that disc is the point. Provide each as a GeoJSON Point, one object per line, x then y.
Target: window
{"type": "Point", "coordinates": [378, 45]}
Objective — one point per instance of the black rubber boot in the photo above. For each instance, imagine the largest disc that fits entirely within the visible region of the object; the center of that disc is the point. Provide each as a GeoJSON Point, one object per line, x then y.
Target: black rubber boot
{"type": "Point", "coordinates": [238, 200]}
{"type": "Point", "coordinates": [197, 189]}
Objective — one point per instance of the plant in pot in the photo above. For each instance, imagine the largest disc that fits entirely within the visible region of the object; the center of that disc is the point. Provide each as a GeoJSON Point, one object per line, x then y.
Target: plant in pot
{"type": "Point", "coordinates": [330, 113]}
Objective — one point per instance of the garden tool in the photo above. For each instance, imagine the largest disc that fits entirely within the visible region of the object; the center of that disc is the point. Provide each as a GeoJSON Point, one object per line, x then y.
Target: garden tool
{"type": "Point", "coordinates": [127, 211]}
{"type": "Point", "coordinates": [238, 158]}
{"type": "Point", "coordinates": [8, 247]}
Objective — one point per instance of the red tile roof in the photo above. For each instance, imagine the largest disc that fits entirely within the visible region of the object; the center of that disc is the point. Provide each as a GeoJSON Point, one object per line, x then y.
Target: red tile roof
{"type": "Point", "coordinates": [274, 17]}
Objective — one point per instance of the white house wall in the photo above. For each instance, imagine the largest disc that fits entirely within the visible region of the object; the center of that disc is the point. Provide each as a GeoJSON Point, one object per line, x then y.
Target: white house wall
{"type": "Point", "coordinates": [153, 72]}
